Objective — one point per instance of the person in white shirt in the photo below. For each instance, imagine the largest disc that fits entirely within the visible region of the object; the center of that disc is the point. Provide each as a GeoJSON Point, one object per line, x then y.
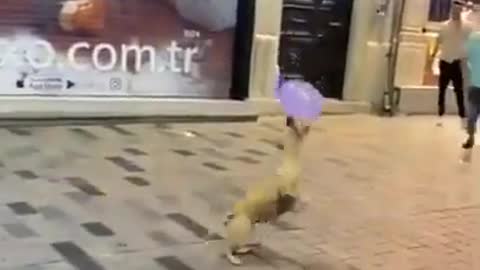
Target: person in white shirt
{"type": "Point", "coordinates": [452, 38]}
{"type": "Point", "coordinates": [467, 11]}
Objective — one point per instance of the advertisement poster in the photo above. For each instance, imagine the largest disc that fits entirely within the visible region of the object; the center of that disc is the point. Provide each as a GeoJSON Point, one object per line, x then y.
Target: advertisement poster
{"type": "Point", "coordinates": [167, 48]}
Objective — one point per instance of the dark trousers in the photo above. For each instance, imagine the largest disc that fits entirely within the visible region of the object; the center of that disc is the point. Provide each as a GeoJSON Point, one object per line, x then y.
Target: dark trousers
{"type": "Point", "coordinates": [473, 109]}
{"type": "Point", "coordinates": [451, 72]}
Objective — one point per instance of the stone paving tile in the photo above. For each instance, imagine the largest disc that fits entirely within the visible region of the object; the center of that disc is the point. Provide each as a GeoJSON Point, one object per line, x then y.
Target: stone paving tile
{"type": "Point", "coordinates": [26, 174]}
{"type": "Point", "coordinates": [191, 225]}
{"type": "Point", "coordinates": [22, 208]}
{"type": "Point", "coordinates": [247, 160]}
{"type": "Point", "coordinates": [143, 210]}
{"type": "Point", "coordinates": [84, 133]}
{"type": "Point", "coordinates": [98, 229]}
{"type": "Point", "coordinates": [172, 263]}
{"type": "Point", "coordinates": [381, 194]}
{"type": "Point", "coordinates": [76, 256]}
{"type": "Point", "coordinates": [119, 130]}
{"type": "Point", "coordinates": [185, 153]}
{"type": "Point", "coordinates": [50, 212]}
{"type": "Point", "coordinates": [137, 180]}
{"type": "Point", "coordinates": [21, 151]}
{"type": "Point", "coordinates": [214, 166]}
{"type": "Point", "coordinates": [20, 131]}
{"type": "Point", "coordinates": [18, 254]}
{"type": "Point", "coordinates": [163, 238]}
{"type": "Point", "coordinates": [125, 164]}
{"type": "Point", "coordinates": [85, 186]}
{"type": "Point", "coordinates": [215, 153]}
{"type": "Point", "coordinates": [19, 230]}
{"type": "Point", "coordinates": [47, 266]}
{"type": "Point", "coordinates": [256, 152]}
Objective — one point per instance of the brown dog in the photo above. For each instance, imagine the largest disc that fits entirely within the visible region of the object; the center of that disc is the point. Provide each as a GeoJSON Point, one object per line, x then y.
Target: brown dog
{"type": "Point", "coordinates": [268, 199]}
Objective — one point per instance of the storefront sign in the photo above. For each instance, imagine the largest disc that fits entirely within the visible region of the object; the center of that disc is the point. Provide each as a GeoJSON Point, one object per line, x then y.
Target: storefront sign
{"type": "Point", "coordinates": [137, 48]}
{"type": "Point", "coordinates": [45, 84]}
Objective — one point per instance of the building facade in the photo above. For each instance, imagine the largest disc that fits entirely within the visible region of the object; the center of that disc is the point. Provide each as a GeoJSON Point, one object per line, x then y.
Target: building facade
{"type": "Point", "coordinates": [417, 69]}
{"type": "Point", "coordinates": [142, 58]}
{"type": "Point", "coordinates": [118, 57]}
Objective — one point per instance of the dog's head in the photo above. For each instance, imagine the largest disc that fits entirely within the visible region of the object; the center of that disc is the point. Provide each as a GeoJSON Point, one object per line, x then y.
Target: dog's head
{"type": "Point", "coordinates": [228, 218]}
{"type": "Point", "coordinates": [300, 128]}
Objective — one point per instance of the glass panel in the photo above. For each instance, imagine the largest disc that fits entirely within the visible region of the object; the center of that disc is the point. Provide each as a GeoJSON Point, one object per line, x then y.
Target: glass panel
{"type": "Point", "coordinates": [180, 48]}
{"type": "Point", "coordinates": [439, 10]}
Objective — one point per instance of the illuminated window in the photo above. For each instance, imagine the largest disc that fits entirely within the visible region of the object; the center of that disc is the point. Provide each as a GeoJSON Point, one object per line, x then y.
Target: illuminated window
{"type": "Point", "coordinates": [439, 10]}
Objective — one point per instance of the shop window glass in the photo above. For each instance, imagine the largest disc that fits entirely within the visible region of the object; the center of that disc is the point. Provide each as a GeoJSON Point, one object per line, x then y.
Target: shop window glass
{"type": "Point", "coordinates": [439, 10]}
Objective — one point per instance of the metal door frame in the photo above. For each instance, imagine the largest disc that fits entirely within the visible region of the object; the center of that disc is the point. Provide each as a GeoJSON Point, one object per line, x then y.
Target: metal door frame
{"type": "Point", "coordinates": [392, 93]}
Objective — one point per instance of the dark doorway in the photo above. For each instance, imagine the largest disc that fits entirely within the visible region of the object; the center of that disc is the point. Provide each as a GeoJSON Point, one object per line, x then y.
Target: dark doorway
{"type": "Point", "coordinates": [242, 49]}
{"type": "Point", "coordinates": [314, 42]}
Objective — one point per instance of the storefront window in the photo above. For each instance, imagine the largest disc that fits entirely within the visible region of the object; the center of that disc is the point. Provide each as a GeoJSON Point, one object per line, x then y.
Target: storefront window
{"type": "Point", "coordinates": [439, 10]}
{"type": "Point", "coordinates": [180, 48]}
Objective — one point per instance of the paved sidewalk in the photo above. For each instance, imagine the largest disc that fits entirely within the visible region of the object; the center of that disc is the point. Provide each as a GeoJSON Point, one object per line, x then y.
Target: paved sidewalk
{"type": "Point", "coordinates": [384, 194]}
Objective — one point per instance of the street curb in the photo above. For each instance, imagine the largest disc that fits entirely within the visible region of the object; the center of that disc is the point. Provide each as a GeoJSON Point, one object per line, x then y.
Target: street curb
{"type": "Point", "coordinates": [46, 122]}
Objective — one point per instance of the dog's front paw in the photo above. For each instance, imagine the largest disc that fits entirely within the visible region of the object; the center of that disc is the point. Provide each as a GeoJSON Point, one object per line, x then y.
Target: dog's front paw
{"type": "Point", "coordinates": [235, 260]}
{"type": "Point", "coordinates": [248, 248]}
{"type": "Point", "coordinates": [243, 250]}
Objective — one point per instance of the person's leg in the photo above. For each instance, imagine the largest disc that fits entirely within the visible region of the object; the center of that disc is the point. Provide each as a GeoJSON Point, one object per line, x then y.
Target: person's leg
{"type": "Point", "coordinates": [457, 79]}
{"type": "Point", "coordinates": [443, 81]}
{"type": "Point", "coordinates": [473, 112]}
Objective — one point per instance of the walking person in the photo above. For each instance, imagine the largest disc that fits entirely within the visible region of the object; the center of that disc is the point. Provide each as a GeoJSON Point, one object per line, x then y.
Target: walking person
{"type": "Point", "coordinates": [452, 37]}
{"type": "Point", "coordinates": [473, 57]}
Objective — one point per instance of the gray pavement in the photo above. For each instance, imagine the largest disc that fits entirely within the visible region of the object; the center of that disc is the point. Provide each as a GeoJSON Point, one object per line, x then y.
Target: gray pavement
{"type": "Point", "coordinates": [383, 194]}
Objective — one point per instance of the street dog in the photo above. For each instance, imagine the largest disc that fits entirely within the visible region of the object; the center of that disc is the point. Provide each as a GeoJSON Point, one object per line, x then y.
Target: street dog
{"type": "Point", "coordinates": [269, 199]}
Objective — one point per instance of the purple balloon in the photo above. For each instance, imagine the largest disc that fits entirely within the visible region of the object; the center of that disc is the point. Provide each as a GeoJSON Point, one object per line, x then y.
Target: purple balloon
{"type": "Point", "coordinates": [301, 100]}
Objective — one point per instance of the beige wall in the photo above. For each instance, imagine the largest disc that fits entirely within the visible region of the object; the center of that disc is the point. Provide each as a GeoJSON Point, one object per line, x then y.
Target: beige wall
{"type": "Point", "coordinates": [365, 75]}
{"type": "Point", "coordinates": [416, 13]}
{"type": "Point", "coordinates": [415, 45]}
{"type": "Point", "coordinates": [268, 17]}
{"type": "Point", "coordinates": [265, 49]}
{"type": "Point", "coordinates": [369, 44]}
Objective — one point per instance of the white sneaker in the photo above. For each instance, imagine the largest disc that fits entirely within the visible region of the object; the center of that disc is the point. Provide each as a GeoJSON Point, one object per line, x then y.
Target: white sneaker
{"type": "Point", "coordinates": [235, 260]}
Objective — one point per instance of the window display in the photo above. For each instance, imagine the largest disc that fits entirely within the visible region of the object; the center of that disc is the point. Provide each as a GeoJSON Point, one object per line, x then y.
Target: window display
{"type": "Point", "coordinates": [179, 48]}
